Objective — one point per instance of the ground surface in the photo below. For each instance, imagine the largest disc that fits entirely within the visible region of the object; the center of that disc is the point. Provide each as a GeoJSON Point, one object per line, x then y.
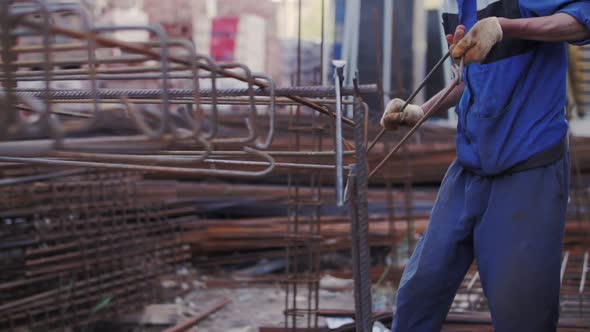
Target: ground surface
{"type": "Point", "coordinates": [250, 308]}
{"type": "Point", "coordinates": [255, 307]}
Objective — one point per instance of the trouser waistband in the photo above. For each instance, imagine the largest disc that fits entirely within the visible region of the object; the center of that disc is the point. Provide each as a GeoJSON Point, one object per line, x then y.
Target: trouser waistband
{"type": "Point", "coordinates": [543, 158]}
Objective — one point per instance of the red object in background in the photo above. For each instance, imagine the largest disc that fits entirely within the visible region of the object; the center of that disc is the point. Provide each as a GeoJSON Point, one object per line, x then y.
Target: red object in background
{"type": "Point", "coordinates": [224, 31]}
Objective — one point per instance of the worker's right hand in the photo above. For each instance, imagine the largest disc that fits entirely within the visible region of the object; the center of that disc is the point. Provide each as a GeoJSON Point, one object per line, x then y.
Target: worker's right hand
{"type": "Point", "coordinates": [452, 40]}
{"type": "Point", "coordinates": [393, 117]}
{"type": "Point", "coordinates": [479, 41]}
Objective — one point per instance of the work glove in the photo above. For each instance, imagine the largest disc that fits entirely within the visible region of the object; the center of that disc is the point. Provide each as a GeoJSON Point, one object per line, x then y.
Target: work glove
{"type": "Point", "coordinates": [393, 117]}
{"type": "Point", "coordinates": [478, 42]}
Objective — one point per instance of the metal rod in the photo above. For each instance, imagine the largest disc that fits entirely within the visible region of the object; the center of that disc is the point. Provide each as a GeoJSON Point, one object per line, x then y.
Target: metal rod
{"type": "Point", "coordinates": [360, 224]}
{"type": "Point", "coordinates": [412, 96]}
{"type": "Point", "coordinates": [186, 325]}
{"type": "Point", "coordinates": [338, 79]}
{"type": "Point", "coordinates": [431, 112]}
{"type": "Point", "coordinates": [584, 273]}
{"type": "Point", "coordinates": [307, 91]}
{"type": "Point", "coordinates": [563, 266]}
{"type": "Point", "coordinates": [171, 170]}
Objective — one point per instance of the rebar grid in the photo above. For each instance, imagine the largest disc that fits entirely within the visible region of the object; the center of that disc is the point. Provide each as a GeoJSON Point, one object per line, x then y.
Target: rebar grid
{"type": "Point", "coordinates": [88, 238]}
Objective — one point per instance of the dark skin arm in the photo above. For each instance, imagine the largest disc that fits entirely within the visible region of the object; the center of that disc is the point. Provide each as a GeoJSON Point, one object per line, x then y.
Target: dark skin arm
{"type": "Point", "coordinates": [487, 32]}
{"type": "Point", "coordinates": [558, 27]}
{"type": "Point", "coordinates": [451, 101]}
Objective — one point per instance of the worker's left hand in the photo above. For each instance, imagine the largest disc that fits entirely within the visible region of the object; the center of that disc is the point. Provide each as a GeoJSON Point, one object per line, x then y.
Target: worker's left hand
{"type": "Point", "coordinates": [478, 42]}
{"type": "Point", "coordinates": [393, 117]}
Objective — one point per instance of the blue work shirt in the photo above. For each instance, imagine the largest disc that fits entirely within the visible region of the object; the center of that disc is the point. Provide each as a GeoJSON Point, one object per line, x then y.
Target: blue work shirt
{"type": "Point", "coordinates": [513, 104]}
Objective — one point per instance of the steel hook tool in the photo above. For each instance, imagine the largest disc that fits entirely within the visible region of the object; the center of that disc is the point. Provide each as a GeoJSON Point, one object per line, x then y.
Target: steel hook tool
{"type": "Point", "coordinates": [338, 80]}
{"type": "Point", "coordinates": [457, 78]}
{"type": "Point", "coordinates": [412, 96]}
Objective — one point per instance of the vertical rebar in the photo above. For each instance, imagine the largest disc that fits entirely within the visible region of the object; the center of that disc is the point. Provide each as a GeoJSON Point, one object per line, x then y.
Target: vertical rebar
{"type": "Point", "coordinates": [7, 114]}
{"type": "Point", "coordinates": [322, 42]}
{"type": "Point", "coordinates": [360, 224]}
{"type": "Point", "coordinates": [408, 200]}
{"type": "Point", "coordinates": [338, 80]}
{"type": "Point", "coordinates": [379, 58]}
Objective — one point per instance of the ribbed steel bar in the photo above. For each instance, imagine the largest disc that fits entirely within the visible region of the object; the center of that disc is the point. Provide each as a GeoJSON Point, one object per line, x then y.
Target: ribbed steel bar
{"type": "Point", "coordinates": [305, 91]}
{"type": "Point", "coordinates": [239, 101]}
{"type": "Point", "coordinates": [359, 206]}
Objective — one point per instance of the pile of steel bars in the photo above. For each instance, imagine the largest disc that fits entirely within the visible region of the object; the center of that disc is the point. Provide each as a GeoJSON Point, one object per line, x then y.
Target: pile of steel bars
{"type": "Point", "coordinates": [54, 112]}
{"type": "Point", "coordinates": [72, 240]}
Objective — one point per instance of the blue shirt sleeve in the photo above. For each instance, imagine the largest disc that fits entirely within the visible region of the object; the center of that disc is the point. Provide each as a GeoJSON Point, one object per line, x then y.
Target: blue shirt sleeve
{"type": "Point", "coordinates": [580, 10]}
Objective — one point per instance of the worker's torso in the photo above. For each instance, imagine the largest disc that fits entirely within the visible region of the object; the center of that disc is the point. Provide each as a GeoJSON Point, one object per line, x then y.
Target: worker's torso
{"type": "Point", "coordinates": [513, 105]}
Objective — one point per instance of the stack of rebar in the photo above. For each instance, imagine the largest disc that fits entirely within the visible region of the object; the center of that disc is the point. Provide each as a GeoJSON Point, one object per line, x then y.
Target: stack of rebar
{"type": "Point", "coordinates": [79, 245]}
{"type": "Point", "coordinates": [82, 245]}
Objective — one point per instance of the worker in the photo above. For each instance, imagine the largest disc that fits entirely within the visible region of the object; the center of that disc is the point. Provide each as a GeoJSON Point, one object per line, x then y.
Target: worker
{"type": "Point", "coordinates": [503, 201]}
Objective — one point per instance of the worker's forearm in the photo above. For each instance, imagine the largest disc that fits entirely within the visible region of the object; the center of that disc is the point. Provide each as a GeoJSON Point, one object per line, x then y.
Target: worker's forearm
{"type": "Point", "coordinates": [451, 100]}
{"type": "Point", "coordinates": [558, 27]}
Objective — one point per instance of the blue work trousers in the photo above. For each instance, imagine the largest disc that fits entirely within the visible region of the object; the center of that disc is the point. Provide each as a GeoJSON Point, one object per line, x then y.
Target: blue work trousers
{"type": "Point", "coordinates": [513, 226]}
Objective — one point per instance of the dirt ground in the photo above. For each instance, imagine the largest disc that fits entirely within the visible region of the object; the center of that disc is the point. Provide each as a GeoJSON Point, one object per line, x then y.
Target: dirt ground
{"type": "Point", "coordinates": [252, 308]}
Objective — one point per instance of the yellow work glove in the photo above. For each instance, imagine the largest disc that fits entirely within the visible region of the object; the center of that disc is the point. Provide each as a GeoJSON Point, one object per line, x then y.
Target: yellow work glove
{"type": "Point", "coordinates": [478, 42]}
{"type": "Point", "coordinates": [393, 117]}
